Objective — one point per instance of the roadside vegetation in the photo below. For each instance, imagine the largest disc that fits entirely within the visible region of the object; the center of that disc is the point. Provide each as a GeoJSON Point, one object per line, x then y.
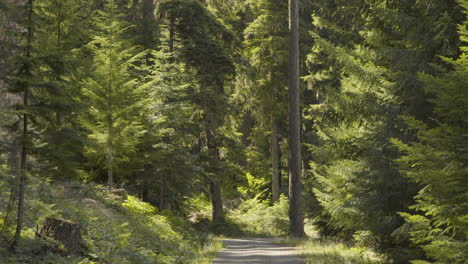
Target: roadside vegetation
{"type": "Point", "coordinates": [115, 229]}
{"type": "Point", "coordinates": [329, 252]}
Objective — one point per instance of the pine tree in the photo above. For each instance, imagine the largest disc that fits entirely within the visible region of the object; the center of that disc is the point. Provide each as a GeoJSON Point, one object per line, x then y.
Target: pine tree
{"type": "Point", "coordinates": [58, 34]}
{"type": "Point", "coordinates": [167, 146]}
{"type": "Point", "coordinates": [265, 48]}
{"type": "Point", "coordinates": [23, 85]}
{"type": "Point", "coordinates": [113, 94]}
{"type": "Point", "coordinates": [364, 64]}
{"type": "Point", "coordinates": [296, 217]}
{"type": "Point", "coordinates": [204, 48]}
{"type": "Point", "coordinates": [437, 162]}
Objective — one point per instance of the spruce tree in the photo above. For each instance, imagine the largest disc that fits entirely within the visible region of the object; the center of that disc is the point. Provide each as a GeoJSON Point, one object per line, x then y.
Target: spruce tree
{"type": "Point", "coordinates": [204, 48]}
{"type": "Point", "coordinates": [364, 64]}
{"type": "Point", "coordinates": [265, 77]}
{"type": "Point", "coordinates": [112, 93]}
{"type": "Point", "coordinates": [437, 162]}
{"type": "Point", "coordinates": [58, 34]}
{"type": "Point", "coordinates": [24, 80]}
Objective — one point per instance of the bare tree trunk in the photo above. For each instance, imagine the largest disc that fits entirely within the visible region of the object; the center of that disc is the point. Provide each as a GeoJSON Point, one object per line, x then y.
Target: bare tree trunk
{"type": "Point", "coordinates": [171, 36]}
{"type": "Point", "coordinates": [275, 188]}
{"type": "Point", "coordinates": [296, 218]}
{"type": "Point", "coordinates": [110, 122]}
{"type": "Point", "coordinates": [164, 199]}
{"type": "Point", "coordinates": [149, 24]}
{"type": "Point", "coordinates": [24, 149]}
{"type": "Point", "coordinates": [58, 114]}
{"type": "Point", "coordinates": [216, 201]}
{"type": "Point", "coordinates": [110, 163]}
{"type": "Point", "coordinates": [161, 192]}
{"type": "Point", "coordinates": [215, 185]}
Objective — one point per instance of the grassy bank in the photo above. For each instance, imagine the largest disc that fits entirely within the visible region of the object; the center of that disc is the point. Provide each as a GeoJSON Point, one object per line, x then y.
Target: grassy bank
{"type": "Point", "coordinates": [330, 252]}
{"type": "Point", "coordinates": [114, 230]}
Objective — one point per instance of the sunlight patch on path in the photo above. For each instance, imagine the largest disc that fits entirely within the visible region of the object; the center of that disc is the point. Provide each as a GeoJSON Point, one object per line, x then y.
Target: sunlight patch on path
{"type": "Point", "coordinates": [257, 251]}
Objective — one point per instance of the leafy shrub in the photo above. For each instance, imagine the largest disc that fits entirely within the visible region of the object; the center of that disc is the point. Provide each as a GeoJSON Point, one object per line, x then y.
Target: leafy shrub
{"type": "Point", "coordinates": [259, 218]}
{"type": "Point", "coordinates": [438, 222]}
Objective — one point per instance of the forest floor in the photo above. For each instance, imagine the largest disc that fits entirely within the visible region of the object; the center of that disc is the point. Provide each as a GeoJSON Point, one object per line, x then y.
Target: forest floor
{"type": "Point", "coordinates": [257, 251]}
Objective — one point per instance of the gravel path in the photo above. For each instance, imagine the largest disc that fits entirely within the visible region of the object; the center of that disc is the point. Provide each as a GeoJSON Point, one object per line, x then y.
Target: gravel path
{"type": "Point", "coordinates": [257, 251]}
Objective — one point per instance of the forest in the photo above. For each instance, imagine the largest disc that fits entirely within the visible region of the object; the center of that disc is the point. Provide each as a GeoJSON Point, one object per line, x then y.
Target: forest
{"type": "Point", "coordinates": [147, 131]}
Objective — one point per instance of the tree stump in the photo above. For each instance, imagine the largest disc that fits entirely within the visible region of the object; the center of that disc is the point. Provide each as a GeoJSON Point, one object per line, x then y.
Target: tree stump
{"type": "Point", "coordinates": [65, 232]}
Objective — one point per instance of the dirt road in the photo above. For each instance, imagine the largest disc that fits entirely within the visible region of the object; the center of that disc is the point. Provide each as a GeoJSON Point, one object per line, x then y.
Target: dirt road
{"type": "Point", "coordinates": [257, 251]}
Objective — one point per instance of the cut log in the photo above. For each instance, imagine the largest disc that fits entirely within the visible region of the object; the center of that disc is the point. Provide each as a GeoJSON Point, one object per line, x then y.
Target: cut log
{"type": "Point", "coordinates": [65, 232]}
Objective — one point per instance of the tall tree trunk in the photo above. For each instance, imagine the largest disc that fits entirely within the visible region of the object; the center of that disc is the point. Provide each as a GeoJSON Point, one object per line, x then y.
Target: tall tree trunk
{"type": "Point", "coordinates": [216, 201]}
{"type": "Point", "coordinates": [149, 25]}
{"type": "Point", "coordinates": [110, 163]}
{"type": "Point", "coordinates": [58, 114]}
{"type": "Point", "coordinates": [24, 148]}
{"type": "Point", "coordinates": [164, 198]}
{"type": "Point", "coordinates": [275, 188]}
{"type": "Point", "coordinates": [215, 185]}
{"type": "Point", "coordinates": [296, 218]}
{"type": "Point", "coordinates": [171, 36]}
{"type": "Point", "coordinates": [110, 119]}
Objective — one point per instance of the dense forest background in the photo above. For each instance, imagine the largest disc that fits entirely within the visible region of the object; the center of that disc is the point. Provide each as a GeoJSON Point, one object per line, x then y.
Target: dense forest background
{"type": "Point", "coordinates": [184, 104]}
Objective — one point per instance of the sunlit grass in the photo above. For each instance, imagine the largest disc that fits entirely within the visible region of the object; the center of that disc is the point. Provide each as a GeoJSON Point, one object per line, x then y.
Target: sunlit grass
{"type": "Point", "coordinates": [319, 250]}
{"type": "Point", "coordinates": [328, 252]}
{"type": "Point", "coordinates": [208, 252]}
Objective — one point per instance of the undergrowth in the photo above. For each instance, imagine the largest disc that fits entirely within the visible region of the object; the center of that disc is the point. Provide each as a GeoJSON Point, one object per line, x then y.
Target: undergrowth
{"type": "Point", "coordinates": [329, 252]}
{"type": "Point", "coordinates": [114, 230]}
{"type": "Point", "coordinates": [258, 218]}
{"type": "Point", "coordinates": [321, 250]}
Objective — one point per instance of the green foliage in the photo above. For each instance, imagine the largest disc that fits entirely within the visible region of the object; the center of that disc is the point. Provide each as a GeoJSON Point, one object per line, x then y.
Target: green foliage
{"type": "Point", "coordinates": [113, 94]}
{"type": "Point", "coordinates": [437, 162]}
{"type": "Point", "coordinates": [257, 217]}
{"type": "Point", "coordinates": [208, 34]}
{"type": "Point", "coordinates": [114, 231]}
{"type": "Point", "coordinates": [364, 66]}
{"type": "Point", "coordinates": [328, 252]}
{"type": "Point", "coordinates": [136, 207]}
{"type": "Point", "coordinates": [255, 186]}
{"type": "Point", "coordinates": [265, 49]}
{"type": "Point", "coordinates": [52, 89]}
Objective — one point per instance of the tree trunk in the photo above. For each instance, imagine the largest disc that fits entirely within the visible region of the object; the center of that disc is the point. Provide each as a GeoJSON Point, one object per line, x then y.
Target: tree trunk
{"type": "Point", "coordinates": [110, 123]}
{"type": "Point", "coordinates": [110, 161]}
{"type": "Point", "coordinates": [171, 36]}
{"type": "Point", "coordinates": [164, 198]}
{"type": "Point", "coordinates": [149, 24]}
{"type": "Point", "coordinates": [58, 114]}
{"type": "Point", "coordinates": [216, 201]}
{"type": "Point", "coordinates": [296, 218]}
{"type": "Point", "coordinates": [24, 149]}
{"type": "Point", "coordinates": [161, 192]}
{"type": "Point", "coordinates": [275, 160]}
{"type": "Point", "coordinates": [215, 185]}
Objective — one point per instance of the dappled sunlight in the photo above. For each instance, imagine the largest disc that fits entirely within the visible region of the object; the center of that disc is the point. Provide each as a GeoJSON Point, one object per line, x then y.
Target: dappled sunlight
{"type": "Point", "coordinates": [326, 252]}
{"type": "Point", "coordinates": [257, 251]}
